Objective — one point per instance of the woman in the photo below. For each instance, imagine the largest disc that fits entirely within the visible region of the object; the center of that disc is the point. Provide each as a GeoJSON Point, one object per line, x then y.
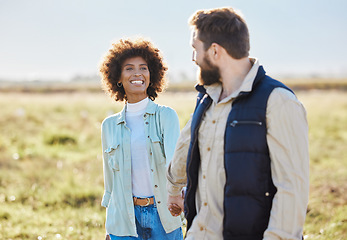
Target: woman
{"type": "Point", "coordinates": [138, 143]}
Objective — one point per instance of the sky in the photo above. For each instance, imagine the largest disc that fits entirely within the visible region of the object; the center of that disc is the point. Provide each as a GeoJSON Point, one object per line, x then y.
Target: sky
{"type": "Point", "coordinates": [62, 39]}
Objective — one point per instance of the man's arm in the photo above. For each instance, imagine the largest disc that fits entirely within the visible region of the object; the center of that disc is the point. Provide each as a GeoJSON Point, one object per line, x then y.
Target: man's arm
{"type": "Point", "coordinates": [176, 172]}
{"type": "Point", "coordinates": [288, 144]}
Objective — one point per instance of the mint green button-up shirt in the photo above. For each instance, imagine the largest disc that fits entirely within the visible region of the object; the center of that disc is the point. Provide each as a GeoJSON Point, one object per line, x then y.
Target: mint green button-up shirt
{"type": "Point", "coordinates": [162, 131]}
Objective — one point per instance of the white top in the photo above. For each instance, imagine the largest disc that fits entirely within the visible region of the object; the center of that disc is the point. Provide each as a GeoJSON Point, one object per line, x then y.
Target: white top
{"type": "Point", "coordinates": [140, 168]}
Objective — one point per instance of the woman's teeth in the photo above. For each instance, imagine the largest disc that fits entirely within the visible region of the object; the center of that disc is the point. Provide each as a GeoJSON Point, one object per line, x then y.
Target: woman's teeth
{"type": "Point", "coordinates": [137, 82]}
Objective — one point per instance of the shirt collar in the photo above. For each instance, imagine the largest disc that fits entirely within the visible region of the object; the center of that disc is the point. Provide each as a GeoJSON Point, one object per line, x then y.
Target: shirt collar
{"type": "Point", "coordinates": [215, 89]}
{"type": "Point", "coordinates": [150, 109]}
{"type": "Point", "coordinates": [250, 77]}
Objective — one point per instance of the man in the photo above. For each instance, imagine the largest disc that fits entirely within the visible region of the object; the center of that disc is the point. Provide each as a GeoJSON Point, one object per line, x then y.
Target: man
{"type": "Point", "coordinates": [244, 153]}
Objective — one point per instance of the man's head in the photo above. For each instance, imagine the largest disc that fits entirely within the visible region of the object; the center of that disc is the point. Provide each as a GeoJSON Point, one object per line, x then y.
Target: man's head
{"type": "Point", "coordinates": [223, 26]}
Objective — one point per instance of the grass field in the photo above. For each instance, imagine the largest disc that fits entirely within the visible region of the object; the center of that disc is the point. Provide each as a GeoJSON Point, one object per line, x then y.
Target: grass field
{"type": "Point", "coordinates": [51, 180]}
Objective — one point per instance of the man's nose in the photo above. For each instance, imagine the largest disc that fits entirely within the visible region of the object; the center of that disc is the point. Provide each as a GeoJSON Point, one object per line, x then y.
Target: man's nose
{"type": "Point", "coordinates": [194, 56]}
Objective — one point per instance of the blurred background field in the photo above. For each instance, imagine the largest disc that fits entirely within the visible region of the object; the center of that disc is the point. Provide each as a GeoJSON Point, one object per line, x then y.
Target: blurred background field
{"type": "Point", "coordinates": [51, 180]}
{"type": "Point", "coordinates": [51, 105]}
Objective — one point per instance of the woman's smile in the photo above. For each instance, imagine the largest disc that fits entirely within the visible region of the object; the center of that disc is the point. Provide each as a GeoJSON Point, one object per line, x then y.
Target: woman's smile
{"type": "Point", "coordinates": [137, 82]}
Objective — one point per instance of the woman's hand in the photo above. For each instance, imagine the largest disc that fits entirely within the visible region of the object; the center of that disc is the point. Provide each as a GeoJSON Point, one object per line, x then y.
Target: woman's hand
{"type": "Point", "coordinates": [175, 205]}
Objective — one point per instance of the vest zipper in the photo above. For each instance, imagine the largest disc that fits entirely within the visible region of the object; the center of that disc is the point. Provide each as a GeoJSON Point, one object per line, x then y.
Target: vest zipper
{"type": "Point", "coordinates": [235, 122]}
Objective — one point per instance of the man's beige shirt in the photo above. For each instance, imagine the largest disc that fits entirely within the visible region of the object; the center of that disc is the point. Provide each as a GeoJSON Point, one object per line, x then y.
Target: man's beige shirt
{"type": "Point", "coordinates": [287, 138]}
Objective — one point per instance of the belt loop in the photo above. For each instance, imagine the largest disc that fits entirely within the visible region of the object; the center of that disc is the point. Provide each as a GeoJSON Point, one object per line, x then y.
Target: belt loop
{"type": "Point", "coordinates": [154, 203]}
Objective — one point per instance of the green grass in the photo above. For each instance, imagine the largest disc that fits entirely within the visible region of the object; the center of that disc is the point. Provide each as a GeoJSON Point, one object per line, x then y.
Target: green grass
{"type": "Point", "coordinates": [51, 180]}
{"type": "Point", "coordinates": [327, 116]}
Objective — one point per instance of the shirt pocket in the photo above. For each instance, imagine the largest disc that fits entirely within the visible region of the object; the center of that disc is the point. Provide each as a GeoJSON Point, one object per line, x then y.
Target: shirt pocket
{"type": "Point", "coordinates": [157, 149]}
{"type": "Point", "coordinates": [113, 153]}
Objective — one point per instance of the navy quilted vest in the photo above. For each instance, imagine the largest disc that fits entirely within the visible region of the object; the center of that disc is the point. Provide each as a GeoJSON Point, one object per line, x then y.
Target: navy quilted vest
{"type": "Point", "coordinates": [249, 189]}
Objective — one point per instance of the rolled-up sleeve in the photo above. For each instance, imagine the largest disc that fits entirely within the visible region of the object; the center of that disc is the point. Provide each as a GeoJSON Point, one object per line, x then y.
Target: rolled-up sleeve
{"type": "Point", "coordinates": [106, 199]}
{"type": "Point", "coordinates": [288, 145]}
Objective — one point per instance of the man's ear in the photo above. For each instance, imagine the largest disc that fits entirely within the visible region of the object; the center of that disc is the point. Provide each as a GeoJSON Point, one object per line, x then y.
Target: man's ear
{"type": "Point", "coordinates": [215, 51]}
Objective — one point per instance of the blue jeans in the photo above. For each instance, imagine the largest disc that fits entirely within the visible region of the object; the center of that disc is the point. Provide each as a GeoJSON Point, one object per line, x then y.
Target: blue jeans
{"type": "Point", "coordinates": [149, 226]}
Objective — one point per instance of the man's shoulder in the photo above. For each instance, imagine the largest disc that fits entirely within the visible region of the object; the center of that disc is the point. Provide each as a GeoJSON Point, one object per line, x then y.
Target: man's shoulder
{"type": "Point", "coordinates": [273, 84]}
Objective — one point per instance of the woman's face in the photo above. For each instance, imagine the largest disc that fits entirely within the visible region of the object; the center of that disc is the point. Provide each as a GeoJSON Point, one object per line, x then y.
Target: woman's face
{"type": "Point", "coordinates": [135, 78]}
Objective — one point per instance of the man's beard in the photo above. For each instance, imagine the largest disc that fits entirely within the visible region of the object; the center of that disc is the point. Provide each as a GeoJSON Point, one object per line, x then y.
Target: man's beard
{"type": "Point", "coordinates": [208, 73]}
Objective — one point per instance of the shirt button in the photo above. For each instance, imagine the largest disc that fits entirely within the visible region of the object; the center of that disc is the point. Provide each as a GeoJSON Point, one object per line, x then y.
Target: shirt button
{"type": "Point", "coordinates": [155, 186]}
{"type": "Point", "coordinates": [203, 176]}
{"type": "Point", "coordinates": [214, 121]}
{"type": "Point", "coordinates": [148, 136]}
{"type": "Point", "coordinates": [159, 202]}
{"type": "Point", "coordinates": [201, 228]}
{"type": "Point", "coordinates": [150, 153]}
{"type": "Point", "coordinates": [146, 123]}
{"type": "Point", "coordinates": [208, 149]}
{"type": "Point", "coordinates": [144, 115]}
{"type": "Point", "coordinates": [267, 194]}
{"type": "Point", "coordinates": [152, 170]}
{"type": "Point", "coordinates": [205, 203]}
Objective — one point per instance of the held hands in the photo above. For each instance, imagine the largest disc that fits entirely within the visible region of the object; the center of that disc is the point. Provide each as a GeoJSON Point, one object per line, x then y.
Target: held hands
{"type": "Point", "coordinates": [174, 209]}
{"type": "Point", "coordinates": [175, 204]}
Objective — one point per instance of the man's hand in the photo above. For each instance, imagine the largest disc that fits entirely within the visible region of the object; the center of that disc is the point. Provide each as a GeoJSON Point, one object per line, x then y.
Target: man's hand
{"type": "Point", "coordinates": [175, 205]}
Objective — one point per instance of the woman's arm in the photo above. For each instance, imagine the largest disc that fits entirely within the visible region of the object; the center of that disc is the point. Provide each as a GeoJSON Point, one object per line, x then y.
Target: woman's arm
{"type": "Point", "coordinates": [170, 128]}
{"type": "Point", "coordinates": [108, 184]}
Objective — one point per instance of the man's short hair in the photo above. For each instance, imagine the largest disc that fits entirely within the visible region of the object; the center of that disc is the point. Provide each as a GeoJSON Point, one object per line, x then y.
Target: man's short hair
{"type": "Point", "coordinates": [223, 26]}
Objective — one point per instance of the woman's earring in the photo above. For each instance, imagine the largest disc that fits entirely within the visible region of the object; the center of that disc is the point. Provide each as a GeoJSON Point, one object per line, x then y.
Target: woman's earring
{"type": "Point", "coordinates": [119, 84]}
{"type": "Point", "coordinates": [150, 84]}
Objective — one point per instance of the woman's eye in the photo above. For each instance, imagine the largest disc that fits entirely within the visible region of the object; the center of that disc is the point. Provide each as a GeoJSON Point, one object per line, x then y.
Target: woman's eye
{"type": "Point", "coordinates": [144, 68]}
{"type": "Point", "coordinates": [129, 69]}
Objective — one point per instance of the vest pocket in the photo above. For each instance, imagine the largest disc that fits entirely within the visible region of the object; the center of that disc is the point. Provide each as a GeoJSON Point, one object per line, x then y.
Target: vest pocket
{"type": "Point", "coordinates": [246, 135]}
{"type": "Point", "coordinates": [113, 156]}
